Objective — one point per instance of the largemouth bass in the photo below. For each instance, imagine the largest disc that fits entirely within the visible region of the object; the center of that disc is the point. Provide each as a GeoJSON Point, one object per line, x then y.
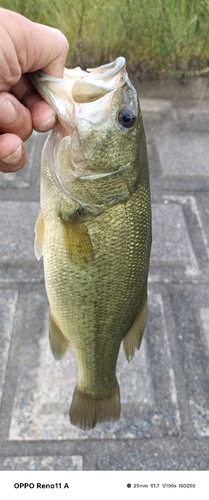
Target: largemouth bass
{"type": "Point", "coordinates": [94, 229]}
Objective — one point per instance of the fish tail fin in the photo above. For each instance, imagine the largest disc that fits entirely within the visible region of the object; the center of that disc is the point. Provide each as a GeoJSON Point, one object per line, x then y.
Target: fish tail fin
{"type": "Point", "coordinates": [87, 410]}
{"type": "Point", "coordinates": [133, 338]}
{"type": "Point", "coordinates": [58, 342]}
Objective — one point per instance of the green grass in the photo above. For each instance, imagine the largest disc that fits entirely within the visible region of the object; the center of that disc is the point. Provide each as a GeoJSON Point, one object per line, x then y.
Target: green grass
{"type": "Point", "coordinates": [157, 37]}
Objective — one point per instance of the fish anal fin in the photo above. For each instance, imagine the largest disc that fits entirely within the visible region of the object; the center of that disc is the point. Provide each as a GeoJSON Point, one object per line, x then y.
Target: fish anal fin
{"type": "Point", "coordinates": [58, 342]}
{"type": "Point", "coordinates": [87, 410]}
{"type": "Point", "coordinates": [39, 236]}
{"type": "Point", "coordinates": [132, 339]}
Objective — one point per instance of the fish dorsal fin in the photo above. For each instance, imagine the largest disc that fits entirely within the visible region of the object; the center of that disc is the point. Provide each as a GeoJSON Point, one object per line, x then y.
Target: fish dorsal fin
{"type": "Point", "coordinates": [132, 339]}
{"type": "Point", "coordinates": [58, 342]}
{"type": "Point", "coordinates": [39, 236]}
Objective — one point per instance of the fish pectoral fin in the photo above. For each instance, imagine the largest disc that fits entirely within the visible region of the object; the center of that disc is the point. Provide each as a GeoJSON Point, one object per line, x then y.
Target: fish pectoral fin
{"type": "Point", "coordinates": [87, 410]}
{"type": "Point", "coordinates": [132, 339]}
{"type": "Point", "coordinates": [39, 236]}
{"type": "Point", "coordinates": [77, 241]}
{"type": "Point", "coordinates": [58, 342]}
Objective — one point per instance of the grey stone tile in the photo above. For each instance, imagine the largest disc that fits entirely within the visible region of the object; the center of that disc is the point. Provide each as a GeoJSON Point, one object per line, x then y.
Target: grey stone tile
{"type": "Point", "coordinates": [8, 303]}
{"type": "Point", "coordinates": [188, 92]}
{"type": "Point", "coordinates": [154, 461]}
{"type": "Point", "coordinates": [17, 231]}
{"type": "Point", "coordinates": [67, 463]}
{"type": "Point", "coordinates": [197, 233]}
{"type": "Point", "coordinates": [195, 118]}
{"type": "Point", "coordinates": [204, 319]}
{"type": "Point", "coordinates": [157, 114]}
{"type": "Point", "coordinates": [190, 308]}
{"type": "Point", "coordinates": [170, 241]}
{"type": "Point", "coordinates": [203, 209]}
{"type": "Point", "coordinates": [45, 387]}
{"type": "Point", "coordinates": [17, 259]}
{"type": "Point", "coordinates": [155, 106]}
{"type": "Point", "coordinates": [183, 154]}
{"type": "Point", "coordinates": [171, 247]}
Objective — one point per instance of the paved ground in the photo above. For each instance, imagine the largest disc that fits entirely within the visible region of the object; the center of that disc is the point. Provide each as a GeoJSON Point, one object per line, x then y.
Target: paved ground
{"type": "Point", "coordinates": [165, 390]}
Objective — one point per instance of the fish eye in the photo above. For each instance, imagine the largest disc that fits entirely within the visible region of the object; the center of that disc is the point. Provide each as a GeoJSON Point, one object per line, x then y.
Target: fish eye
{"type": "Point", "coordinates": [126, 117]}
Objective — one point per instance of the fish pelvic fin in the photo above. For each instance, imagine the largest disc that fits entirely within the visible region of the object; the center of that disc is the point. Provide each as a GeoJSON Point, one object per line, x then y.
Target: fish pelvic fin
{"type": "Point", "coordinates": [58, 342]}
{"type": "Point", "coordinates": [133, 338]}
{"type": "Point", "coordinates": [39, 236]}
{"type": "Point", "coordinates": [88, 410]}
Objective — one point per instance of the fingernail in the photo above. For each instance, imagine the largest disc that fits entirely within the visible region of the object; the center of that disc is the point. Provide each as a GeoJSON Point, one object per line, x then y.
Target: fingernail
{"type": "Point", "coordinates": [47, 124]}
{"type": "Point", "coordinates": [8, 113]}
{"type": "Point", "coordinates": [15, 157]}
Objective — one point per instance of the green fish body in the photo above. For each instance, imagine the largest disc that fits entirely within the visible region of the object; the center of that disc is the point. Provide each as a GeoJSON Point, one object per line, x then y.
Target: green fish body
{"type": "Point", "coordinates": [94, 229]}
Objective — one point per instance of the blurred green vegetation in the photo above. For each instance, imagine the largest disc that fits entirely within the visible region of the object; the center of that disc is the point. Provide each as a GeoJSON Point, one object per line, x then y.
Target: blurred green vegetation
{"type": "Point", "coordinates": [157, 37]}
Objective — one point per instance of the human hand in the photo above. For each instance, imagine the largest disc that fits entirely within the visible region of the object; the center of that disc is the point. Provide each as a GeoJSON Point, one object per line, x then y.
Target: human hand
{"type": "Point", "coordinates": [25, 46]}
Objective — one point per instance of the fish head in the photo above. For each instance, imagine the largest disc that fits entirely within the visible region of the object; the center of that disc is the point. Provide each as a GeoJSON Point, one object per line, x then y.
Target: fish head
{"type": "Point", "coordinates": [100, 130]}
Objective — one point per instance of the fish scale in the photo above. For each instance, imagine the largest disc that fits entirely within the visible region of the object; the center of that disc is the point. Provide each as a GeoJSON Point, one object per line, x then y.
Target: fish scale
{"type": "Point", "coordinates": [94, 231]}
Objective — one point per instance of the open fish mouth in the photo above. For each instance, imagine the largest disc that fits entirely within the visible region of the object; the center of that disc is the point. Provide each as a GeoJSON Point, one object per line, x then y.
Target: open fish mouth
{"type": "Point", "coordinates": [82, 94]}
{"type": "Point", "coordinates": [95, 82]}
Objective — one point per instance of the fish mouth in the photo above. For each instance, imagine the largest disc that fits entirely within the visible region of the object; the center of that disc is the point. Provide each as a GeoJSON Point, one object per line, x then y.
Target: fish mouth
{"type": "Point", "coordinates": [95, 83]}
{"type": "Point", "coordinates": [83, 100]}
{"type": "Point", "coordinates": [82, 94]}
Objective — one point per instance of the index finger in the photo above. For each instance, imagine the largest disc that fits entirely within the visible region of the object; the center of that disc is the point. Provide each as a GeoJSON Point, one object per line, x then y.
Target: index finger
{"type": "Point", "coordinates": [50, 54]}
{"type": "Point", "coordinates": [30, 46]}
